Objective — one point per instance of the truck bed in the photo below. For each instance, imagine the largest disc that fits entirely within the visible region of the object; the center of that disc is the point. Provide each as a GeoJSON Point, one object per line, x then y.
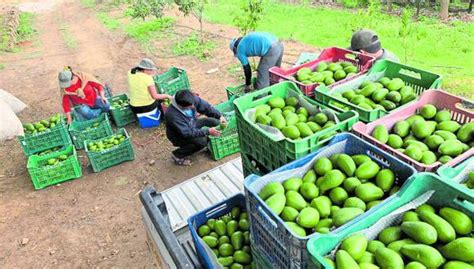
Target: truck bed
{"type": "Point", "coordinates": [165, 213]}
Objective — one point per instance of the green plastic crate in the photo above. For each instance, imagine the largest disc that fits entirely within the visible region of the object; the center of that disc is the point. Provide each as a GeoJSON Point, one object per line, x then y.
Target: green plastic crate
{"type": "Point", "coordinates": [457, 174]}
{"type": "Point", "coordinates": [228, 143]}
{"type": "Point", "coordinates": [171, 81]}
{"type": "Point", "coordinates": [418, 79]}
{"type": "Point", "coordinates": [124, 115]}
{"type": "Point", "coordinates": [444, 194]}
{"type": "Point", "coordinates": [84, 130]}
{"type": "Point", "coordinates": [269, 152]}
{"type": "Point", "coordinates": [55, 137]}
{"type": "Point", "coordinates": [109, 157]}
{"type": "Point", "coordinates": [250, 166]}
{"type": "Point", "coordinates": [43, 175]}
{"type": "Point", "coordinates": [238, 90]}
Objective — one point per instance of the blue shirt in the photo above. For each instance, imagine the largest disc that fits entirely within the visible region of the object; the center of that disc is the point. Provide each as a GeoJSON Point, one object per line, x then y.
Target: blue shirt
{"type": "Point", "coordinates": [254, 44]}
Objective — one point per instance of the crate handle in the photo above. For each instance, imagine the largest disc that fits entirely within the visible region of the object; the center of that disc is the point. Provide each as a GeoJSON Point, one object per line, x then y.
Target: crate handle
{"type": "Point", "coordinates": [409, 73]}
{"type": "Point", "coordinates": [216, 210]}
{"type": "Point", "coordinates": [464, 204]}
{"type": "Point", "coordinates": [351, 56]}
{"type": "Point", "coordinates": [466, 105]}
{"type": "Point", "coordinates": [268, 218]}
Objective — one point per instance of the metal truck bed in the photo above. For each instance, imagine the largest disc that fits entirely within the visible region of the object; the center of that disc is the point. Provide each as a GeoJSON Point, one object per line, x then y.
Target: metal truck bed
{"type": "Point", "coordinates": [165, 214]}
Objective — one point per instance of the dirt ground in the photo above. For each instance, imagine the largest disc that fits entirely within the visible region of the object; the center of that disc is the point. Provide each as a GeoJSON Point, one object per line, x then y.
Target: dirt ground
{"type": "Point", "coordinates": [93, 221]}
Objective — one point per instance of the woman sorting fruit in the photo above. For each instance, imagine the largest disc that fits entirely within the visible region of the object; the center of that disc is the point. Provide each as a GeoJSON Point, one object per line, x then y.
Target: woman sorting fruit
{"type": "Point", "coordinates": [84, 91]}
{"type": "Point", "coordinates": [143, 94]}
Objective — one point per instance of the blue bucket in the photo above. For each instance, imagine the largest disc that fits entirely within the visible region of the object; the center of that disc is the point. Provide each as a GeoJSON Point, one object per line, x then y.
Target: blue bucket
{"type": "Point", "coordinates": [149, 119]}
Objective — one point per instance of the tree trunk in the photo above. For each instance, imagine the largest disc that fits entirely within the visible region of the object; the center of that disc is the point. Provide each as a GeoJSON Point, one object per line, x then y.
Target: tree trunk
{"type": "Point", "coordinates": [470, 6]}
{"type": "Point", "coordinates": [444, 13]}
{"type": "Point", "coordinates": [389, 5]}
{"type": "Point", "coordinates": [418, 4]}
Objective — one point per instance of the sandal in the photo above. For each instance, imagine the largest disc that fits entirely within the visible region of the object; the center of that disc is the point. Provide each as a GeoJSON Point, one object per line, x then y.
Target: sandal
{"type": "Point", "coordinates": [181, 161]}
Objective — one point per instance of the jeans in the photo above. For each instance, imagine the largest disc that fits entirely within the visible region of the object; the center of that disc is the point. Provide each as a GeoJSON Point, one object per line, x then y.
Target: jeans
{"type": "Point", "coordinates": [195, 144]}
{"type": "Point", "coordinates": [86, 112]}
{"type": "Point", "coordinates": [273, 58]}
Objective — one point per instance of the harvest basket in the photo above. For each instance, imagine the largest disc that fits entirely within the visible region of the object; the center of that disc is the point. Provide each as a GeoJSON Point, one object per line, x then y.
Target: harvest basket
{"type": "Point", "coordinates": [84, 130]}
{"type": "Point", "coordinates": [124, 115]}
{"type": "Point", "coordinates": [171, 81]}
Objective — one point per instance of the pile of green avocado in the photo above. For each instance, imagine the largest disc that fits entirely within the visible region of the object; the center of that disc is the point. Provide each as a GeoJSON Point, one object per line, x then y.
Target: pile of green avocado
{"type": "Point", "coordinates": [44, 152]}
{"type": "Point", "coordinates": [335, 191]}
{"type": "Point", "coordinates": [42, 125]}
{"type": "Point", "coordinates": [326, 74]}
{"type": "Point", "coordinates": [428, 136]}
{"type": "Point", "coordinates": [229, 239]}
{"type": "Point", "coordinates": [470, 180]}
{"type": "Point", "coordinates": [106, 143]}
{"type": "Point", "coordinates": [55, 161]}
{"type": "Point", "coordinates": [119, 104]}
{"type": "Point", "coordinates": [386, 94]}
{"type": "Point", "coordinates": [424, 239]}
{"type": "Point", "coordinates": [293, 120]}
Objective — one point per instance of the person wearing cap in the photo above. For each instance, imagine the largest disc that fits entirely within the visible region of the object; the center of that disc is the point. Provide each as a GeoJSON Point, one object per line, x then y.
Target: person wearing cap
{"type": "Point", "coordinates": [185, 130]}
{"type": "Point", "coordinates": [143, 94]}
{"type": "Point", "coordinates": [263, 45]}
{"type": "Point", "coordinates": [367, 42]}
{"type": "Point", "coordinates": [82, 90]}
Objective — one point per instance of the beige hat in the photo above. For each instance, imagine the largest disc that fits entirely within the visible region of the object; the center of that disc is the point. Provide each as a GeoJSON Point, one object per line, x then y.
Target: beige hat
{"type": "Point", "coordinates": [147, 64]}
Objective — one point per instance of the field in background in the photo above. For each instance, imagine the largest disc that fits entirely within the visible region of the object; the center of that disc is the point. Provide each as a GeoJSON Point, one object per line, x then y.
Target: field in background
{"type": "Point", "coordinates": [445, 49]}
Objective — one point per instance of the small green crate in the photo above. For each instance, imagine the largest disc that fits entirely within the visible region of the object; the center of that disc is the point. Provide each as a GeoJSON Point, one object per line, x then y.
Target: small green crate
{"type": "Point", "coordinates": [420, 80]}
{"type": "Point", "coordinates": [228, 143]}
{"type": "Point", "coordinates": [124, 115]}
{"type": "Point", "coordinates": [171, 81]}
{"type": "Point", "coordinates": [272, 153]}
{"type": "Point", "coordinates": [238, 90]}
{"type": "Point", "coordinates": [55, 137]}
{"type": "Point", "coordinates": [438, 192]}
{"type": "Point", "coordinates": [109, 157]}
{"type": "Point", "coordinates": [85, 130]}
{"type": "Point", "coordinates": [43, 175]}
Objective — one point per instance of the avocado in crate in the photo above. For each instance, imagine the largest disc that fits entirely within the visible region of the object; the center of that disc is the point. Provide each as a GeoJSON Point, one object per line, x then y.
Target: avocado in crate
{"type": "Point", "coordinates": [109, 151]}
{"type": "Point", "coordinates": [428, 133]}
{"type": "Point", "coordinates": [54, 167]}
{"type": "Point", "coordinates": [120, 110]}
{"type": "Point", "coordinates": [91, 129]}
{"type": "Point", "coordinates": [48, 151]}
{"type": "Point", "coordinates": [322, 193]}
{"type": "Point", "coordinates": [228, 142]}
{"type": "Point", "coordinates": [221, 234]}
{"type": "Point", "coordinates": [279, 124]}
{"type": "Point", "coordinates": [385, 88]}
{"type": "Point", "coordinates": [428, 225]}
{"type": "Point", "coordinates": [44, 134]}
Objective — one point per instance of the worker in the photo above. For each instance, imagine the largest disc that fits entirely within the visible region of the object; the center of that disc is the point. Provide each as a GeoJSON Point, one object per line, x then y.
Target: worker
{"type": "Point", "coordinates": [367, 42]}
{"type": "Point", "coordinates": [264, 45]}
{"type": "Point", "coordinates": [185, 130]}
{"type": "Point", "coordinates": [82, 90]}
{"type": "Point", "coordinates": [143, 94]}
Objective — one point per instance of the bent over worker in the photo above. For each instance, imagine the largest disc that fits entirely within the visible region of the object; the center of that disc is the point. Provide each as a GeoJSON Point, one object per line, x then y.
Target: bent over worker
{"type": "Point", "coordinates": [185, 130]}
{"type": "Point", "coordinates": [263, 45]}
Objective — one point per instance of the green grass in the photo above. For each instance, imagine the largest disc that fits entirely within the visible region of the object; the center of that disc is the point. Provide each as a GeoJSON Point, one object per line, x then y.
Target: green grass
{"type": "Point", "coordinates": [2, 66]}
{"type": "Point", "coordinates": [144, 31]}
{"type": "Point", "coordinates": [88, 3]}
{"type": "Point", "coordinates": [109, 22]}
{"type": "Point", "coordinates": [192, 46]}
{"type": "Point", "coordinates": [25, 29]}
{"type": "Point", "coordinates": [445, 49]}
{"type": "Point", "coordinates": [67, 37]}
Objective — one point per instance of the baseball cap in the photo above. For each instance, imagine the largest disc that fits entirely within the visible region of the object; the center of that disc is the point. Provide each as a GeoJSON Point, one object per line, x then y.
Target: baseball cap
{"type": "Point", "coordinates": [147, 64]}
{"type": "Point", "coordinates": [366, 40]}
{"type": "Point", "coordinates": [65, 78]}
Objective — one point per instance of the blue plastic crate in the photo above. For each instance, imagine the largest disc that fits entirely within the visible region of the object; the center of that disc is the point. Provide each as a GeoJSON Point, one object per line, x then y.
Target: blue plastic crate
{"type": "Point", "coordinates": [271, 237]}
{"type": "Point", "coordinates": [149, 119]}
{"type": "Point", "coordinates": [213, 212]}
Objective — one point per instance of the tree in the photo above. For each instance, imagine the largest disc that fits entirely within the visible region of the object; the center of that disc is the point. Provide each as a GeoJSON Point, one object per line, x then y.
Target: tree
{"type": "Point", "coordinates": [252, 14]}
{"type": "Point", "coordinates": [444, 13]}
{"type": "Point", "coordinates": [195, 8]}
{"type": "Point", "coordinates": [146, 8]}
{"type": "Point", "coordinates": [405, 31]}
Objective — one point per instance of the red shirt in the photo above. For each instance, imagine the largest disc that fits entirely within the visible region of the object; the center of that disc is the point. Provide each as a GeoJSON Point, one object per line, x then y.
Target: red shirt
{"type": "Point", "coordinates": [89, 92]}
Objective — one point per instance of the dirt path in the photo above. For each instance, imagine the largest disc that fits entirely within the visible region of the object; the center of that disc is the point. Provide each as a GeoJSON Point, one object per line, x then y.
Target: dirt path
{"type": "Point", "coordinates": [93, 221]}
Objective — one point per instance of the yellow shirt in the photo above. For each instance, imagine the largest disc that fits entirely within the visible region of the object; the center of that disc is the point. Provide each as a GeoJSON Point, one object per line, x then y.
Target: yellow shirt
{"type": "Point", "coordinates": [138, 87]}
